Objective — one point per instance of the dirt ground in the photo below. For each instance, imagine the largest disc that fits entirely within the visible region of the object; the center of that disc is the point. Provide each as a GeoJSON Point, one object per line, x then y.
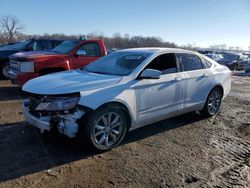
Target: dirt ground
{"type": "Point", "coordinates": [186, 151]}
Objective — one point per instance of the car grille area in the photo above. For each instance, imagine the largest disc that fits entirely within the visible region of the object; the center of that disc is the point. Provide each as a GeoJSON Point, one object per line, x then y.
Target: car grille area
{"type": "Point", "coordinates": [14, 66]}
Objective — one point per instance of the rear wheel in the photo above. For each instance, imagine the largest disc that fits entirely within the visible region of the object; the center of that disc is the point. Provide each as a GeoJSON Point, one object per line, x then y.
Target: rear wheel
{"type": "Point", "coordinates": [106, 128]}
{"type": "Point", "coordinates": [213, 102]}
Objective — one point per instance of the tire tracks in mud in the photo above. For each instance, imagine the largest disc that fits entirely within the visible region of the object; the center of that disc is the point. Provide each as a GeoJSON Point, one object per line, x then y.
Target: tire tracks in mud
{"type": "Point", "coordinates": [230, 161]}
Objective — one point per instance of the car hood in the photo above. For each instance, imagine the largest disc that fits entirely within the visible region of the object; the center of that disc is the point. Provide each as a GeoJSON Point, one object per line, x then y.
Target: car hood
{"type": "Point", "coordinates": [8, 48]}
{"type": "Point", "coordinates": [5, 53]}
{"type": "Point", "coordinates": [35, 54]}
{"type": "Point", "coordinates": [69, 82]}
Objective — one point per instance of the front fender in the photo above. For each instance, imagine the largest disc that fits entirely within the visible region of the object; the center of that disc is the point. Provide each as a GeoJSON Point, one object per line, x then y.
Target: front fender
{"type": "Point", "coordinates": [120, 94]}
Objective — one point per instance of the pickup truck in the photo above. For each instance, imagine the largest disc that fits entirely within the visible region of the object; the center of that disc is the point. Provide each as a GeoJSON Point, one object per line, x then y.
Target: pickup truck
{"type": "Point", "coordinates": [71, 54]}
{"type": "Point", "coordinates": [27, 45]}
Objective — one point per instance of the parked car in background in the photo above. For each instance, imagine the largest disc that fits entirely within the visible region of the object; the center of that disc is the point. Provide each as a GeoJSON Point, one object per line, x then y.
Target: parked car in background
{"type": "Point", "coordinates": [247, 67]}
{"type": "Point", "coordinates": [243, 61]}
{"type": "Point", "coordinates": [71, 54]}
{"type": "Point", "coordinates": [247, 54]}
{"type": "Point", "coordinates": [233, 61]}
{"type": "Point", "coordinates": [27, 45]}
{"type": "Point", "coordinates": [124, 91]}
{"type": "Point", "coordinates": [215, 57]}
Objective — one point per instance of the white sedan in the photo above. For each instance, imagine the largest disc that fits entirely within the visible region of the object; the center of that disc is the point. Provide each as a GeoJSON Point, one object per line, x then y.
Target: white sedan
{"type": "Point", "coordinates": [123, 91]}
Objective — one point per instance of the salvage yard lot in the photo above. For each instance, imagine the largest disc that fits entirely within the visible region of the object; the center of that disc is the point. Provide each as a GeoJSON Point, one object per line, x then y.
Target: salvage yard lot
{"type": "Point", "coordinates": [185, 151]}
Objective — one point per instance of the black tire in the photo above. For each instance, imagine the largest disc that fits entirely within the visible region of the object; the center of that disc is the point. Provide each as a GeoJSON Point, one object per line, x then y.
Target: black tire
{"type": "Point", "coordinates": [217, 94]}
{"type": "Point", "coordinates": [3, 69]}
{"type": "Point", "coordinates": [88, 130]}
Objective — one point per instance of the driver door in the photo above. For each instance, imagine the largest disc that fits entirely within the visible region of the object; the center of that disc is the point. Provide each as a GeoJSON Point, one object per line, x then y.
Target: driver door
{"type": "Point", "coordinates": [86, 54]}
{"type": "Point", "coordinates": [158, 98]}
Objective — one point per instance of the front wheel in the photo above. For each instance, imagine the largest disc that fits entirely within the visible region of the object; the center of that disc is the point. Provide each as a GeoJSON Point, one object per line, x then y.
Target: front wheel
{"type": "Point", "coordinates": [213, 103]}
{"type": "Point", "coordinates": [4, 70]}
{"type": "Point", "coordinates": [106, 128]}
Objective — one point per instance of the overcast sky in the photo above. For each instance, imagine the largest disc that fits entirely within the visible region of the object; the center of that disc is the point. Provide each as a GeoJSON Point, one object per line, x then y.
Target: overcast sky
{"type": "Point", "coordinates": [199, 22]}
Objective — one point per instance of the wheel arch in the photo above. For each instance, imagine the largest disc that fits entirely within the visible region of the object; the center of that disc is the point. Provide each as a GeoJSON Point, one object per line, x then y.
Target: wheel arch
{"type": "Point", "coordinates": [121, 105]}
{"type": "Point", "coordinates": [220, 87]}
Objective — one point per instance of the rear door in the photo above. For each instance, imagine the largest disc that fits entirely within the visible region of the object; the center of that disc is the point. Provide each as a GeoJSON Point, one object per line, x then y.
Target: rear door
{"type": "Point", "coordinates": [196, 81]}
{"type": "Point", "coordinates": [90, 52]}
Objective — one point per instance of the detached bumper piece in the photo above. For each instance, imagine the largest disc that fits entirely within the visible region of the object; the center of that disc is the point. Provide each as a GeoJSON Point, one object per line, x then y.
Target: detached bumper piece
{"type": "Point", "coordinates": [65, 123]}
{"type": "Point", "coordinates": [40, 123]}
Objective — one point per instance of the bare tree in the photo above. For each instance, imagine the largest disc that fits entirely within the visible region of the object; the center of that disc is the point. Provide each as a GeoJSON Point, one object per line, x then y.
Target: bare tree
{"type": "Point", "coordinates": [10, 27]}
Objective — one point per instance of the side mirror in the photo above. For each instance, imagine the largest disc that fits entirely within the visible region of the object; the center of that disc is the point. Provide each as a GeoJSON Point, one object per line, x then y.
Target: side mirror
{"type": "Point", "coordinates": [80, 52]}
{"type": "Point", "coordinates": [150, 74]}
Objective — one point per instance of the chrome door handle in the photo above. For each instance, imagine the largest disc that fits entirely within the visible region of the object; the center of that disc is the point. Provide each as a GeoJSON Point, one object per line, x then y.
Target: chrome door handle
{"type": "Point", "coordinates": [204, 75]}
{"type": "Point", "coordinates": [177, 79]}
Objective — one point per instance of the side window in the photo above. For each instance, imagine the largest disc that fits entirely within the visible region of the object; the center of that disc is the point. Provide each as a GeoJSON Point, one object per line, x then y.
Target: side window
{"type": "Point", "coordinates": [40, 45]}
{"type": "Point", "coordinates": [206, 63]}
{"type": "Point", "coordinates": [189, 62]}
{"type": "Point", "coordinates": [165, 63]}
{"type": "Point", "coordinates": [91, 49]}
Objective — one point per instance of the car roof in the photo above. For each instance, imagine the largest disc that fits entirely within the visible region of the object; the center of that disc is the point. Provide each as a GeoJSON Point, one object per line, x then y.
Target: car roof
{"type": "Point", "coordinates": [158, 50]}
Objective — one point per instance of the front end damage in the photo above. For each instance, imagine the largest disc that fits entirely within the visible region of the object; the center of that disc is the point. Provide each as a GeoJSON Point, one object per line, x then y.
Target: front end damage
{"type": "Point", "coordinates": [54, 112]}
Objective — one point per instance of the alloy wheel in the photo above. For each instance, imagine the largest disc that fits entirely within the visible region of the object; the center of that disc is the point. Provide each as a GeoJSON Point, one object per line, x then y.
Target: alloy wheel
{"type": "Point", "coordinates": [214, 102]}
{"type": "Point", "coordinates": [5, 71]}
{"type": "Point", "coordinates": [108, 129]}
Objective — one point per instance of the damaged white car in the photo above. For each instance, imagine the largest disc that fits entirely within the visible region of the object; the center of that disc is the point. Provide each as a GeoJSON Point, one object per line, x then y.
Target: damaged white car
{"type": "Point", "coordinates": [124, 91]}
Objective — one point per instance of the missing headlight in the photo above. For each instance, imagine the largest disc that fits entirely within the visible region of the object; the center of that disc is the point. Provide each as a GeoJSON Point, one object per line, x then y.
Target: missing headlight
{"type": "Point", "coordinates": [59, 104]}
{"type": "Point", "coordinates": [51, 103]}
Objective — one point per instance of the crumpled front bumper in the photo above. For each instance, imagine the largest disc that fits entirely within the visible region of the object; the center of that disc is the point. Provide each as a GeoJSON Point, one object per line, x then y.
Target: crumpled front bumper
{"type": "Point", "coordinates": [66, 123]}
{"type": "Point", "coordinates": [42, 124]}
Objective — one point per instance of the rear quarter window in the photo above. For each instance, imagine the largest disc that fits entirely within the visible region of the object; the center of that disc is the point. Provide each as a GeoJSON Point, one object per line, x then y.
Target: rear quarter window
{"type": "Point", "coordinates": [189, 62]}
{"type": "Point", "coordinates": [207, 64]}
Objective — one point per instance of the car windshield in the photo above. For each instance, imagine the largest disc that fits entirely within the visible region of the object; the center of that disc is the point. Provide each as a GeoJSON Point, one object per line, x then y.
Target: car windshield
{"type": "Point", "coordinates": [19, 45]}
{"type": "Point", "coordinates": [230, 57]}
{"type": "Point", "coordinates": [65, 47]}
{"type": "Point", "coordinates": [117, 63]}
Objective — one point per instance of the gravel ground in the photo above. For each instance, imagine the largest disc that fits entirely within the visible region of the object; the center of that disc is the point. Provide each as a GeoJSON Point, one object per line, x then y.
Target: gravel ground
{"type": "Point", "coordinates": [186, 151]}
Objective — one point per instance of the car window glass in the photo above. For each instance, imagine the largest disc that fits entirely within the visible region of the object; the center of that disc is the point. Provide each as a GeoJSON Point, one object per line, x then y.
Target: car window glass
{"type": "Point", "coordinates": [65, 47]}
{"type": "Point", "coordinates": [206, 63]}
{"type": "Point", "coordinates": [91, 49]}
{"type": "Point", "coordinates": [117, 63]}
{"type": "Point", "coordinates": [55, 43]}
{"type": "Point", "coordinates": [165, 63]}
{"type": "Point", "coordinates": [40, 45]}
{"type": "Point", "coordinates": [189, 62]}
